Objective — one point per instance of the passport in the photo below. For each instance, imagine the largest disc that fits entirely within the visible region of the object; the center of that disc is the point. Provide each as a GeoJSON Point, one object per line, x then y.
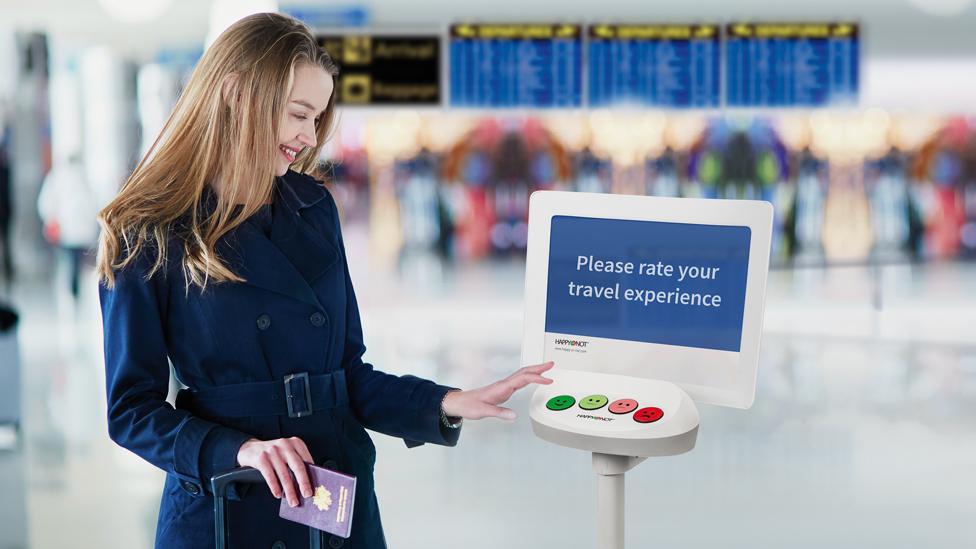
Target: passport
{"type": "Point", "coordinates": [330, 507]}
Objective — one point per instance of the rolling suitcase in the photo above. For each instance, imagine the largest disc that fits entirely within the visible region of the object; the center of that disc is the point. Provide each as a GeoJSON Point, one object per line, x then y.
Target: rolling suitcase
{"type": "Point", "coordinates": [220, 483]}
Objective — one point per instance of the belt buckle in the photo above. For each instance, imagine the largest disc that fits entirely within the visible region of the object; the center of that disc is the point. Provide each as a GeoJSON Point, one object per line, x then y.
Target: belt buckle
{"type": "Point", "coordinates": [290, 397]}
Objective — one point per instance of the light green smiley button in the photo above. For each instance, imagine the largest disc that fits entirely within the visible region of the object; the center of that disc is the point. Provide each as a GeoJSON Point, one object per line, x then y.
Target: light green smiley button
{"type": "Point", "coordinates": [560, 402]}
{"type": "Point", "coordinates": [593, 402]}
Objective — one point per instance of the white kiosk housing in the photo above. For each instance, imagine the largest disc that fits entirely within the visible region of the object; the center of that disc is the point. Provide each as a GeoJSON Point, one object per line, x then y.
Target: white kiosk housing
{"type": "Point", "coordinates": [646, 305]}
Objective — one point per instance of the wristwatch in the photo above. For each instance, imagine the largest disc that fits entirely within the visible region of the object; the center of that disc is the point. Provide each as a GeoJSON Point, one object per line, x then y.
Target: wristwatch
{"type": "Point", "coordinates": [451, 422]}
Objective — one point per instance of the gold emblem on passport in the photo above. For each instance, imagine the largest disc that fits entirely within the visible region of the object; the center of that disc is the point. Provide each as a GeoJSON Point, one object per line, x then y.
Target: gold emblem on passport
{"type": "Point", "coordinates": [322, 498]}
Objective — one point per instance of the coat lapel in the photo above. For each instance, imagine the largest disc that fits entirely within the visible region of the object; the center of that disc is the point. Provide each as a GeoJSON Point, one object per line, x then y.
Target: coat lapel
{"type": "Point", "coordinates": [296, 255]}
{"type": "Point", "coordinates": [309, 252]}
{"type": "Point", "coordinates": [262, 264]}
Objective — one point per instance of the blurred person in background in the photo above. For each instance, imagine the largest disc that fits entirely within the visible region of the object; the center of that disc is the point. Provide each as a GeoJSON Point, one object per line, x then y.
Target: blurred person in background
{"type": "Point", "coordinates": [6, 211]}
{"type": "Point", "coordinates": [68, 211]}
{"type": "Point", "coordinates": [221, 254]}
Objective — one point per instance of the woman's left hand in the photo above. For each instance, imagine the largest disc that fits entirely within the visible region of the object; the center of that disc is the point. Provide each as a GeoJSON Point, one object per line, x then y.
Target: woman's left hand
{"type": "Point", "coordinates": [483, 402]}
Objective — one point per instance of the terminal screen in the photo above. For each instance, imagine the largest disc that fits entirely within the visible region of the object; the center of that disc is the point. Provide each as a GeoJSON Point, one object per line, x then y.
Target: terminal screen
{"type": "Point", "coordinates": [647, 281]}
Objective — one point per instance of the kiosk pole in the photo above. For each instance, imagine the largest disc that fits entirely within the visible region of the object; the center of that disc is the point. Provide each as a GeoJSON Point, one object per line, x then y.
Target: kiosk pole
{"type": "Point", "coordinates": [610, 471]}
{"type": "Point", "coordinates": [610, 516]}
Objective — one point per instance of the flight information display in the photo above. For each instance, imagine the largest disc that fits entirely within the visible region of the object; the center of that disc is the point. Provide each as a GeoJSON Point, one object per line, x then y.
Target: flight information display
{"type": "Point", "coordinates": [791, 65]}
{"type": "Point", "coordinates": [654, 65]}
{"type": "Point", "coordinates": [530, 66]}
{"type": "Point", "coordinates": [386, 69]}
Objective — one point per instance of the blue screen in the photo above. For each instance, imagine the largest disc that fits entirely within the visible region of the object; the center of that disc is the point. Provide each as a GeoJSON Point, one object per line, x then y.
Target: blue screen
{"type": "Point", "coordinates": [779, 65]}
{"type": "Point", "coordinates": [534, 66]}
{"type": "Point", "coordinates": [663, 65]}
{"type": "Point", "coordinates": [648, 281]}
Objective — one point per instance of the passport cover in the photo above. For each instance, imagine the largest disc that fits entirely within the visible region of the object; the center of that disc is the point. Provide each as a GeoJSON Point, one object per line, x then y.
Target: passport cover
{"type": "Point", "coordinates": [330, 507]}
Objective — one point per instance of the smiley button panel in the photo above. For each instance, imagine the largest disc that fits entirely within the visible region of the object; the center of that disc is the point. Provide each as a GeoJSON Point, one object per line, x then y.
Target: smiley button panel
{"type": "Point", "coordinates": [620, 406]}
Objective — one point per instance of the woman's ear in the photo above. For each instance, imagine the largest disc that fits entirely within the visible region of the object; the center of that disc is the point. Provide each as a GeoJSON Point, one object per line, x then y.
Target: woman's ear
{"type": "Point", "coordinates": [229, 92]}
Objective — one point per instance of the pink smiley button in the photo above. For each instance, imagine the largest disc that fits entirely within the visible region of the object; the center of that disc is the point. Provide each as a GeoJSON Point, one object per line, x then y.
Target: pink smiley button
{"type": "Point", "coordinates": [623, 406]}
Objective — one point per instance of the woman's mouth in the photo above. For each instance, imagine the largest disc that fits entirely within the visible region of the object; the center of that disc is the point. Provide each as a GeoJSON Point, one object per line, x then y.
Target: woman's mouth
{"type": "Point", "coordinates": [289, 153]}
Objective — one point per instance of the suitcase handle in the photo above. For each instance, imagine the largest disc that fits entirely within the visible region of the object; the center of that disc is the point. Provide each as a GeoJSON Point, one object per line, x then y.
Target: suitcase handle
{"type": "Point", "coordinates": [248, 475]}
{"type": "Point", "coordinates": [221, 481]}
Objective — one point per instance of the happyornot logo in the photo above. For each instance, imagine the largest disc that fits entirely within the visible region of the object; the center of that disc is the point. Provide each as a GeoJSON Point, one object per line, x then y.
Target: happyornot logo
{"type": "Point", "coordinates": [571, 342]}
{"type": "Point", "coordinates": [588, 416]}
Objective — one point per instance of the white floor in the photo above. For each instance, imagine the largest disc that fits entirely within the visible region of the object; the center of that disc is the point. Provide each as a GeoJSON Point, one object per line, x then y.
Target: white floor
{"type": "Point", "coordinates": [863, 433]}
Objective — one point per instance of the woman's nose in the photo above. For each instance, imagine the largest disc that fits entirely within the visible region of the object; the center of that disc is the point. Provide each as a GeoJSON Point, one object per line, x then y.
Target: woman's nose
{"type": "Point", "coordinates": [307, 137]}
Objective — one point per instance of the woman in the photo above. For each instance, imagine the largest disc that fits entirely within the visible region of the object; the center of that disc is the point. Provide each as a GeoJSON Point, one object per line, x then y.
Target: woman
{"type": "Point", "coordinates": [220, 254]}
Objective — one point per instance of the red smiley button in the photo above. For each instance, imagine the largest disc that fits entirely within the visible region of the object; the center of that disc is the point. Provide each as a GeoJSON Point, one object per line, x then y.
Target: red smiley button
{"type": "Point", "coordinates": [648, 415]}
{"type": "Point", "coordinates": [623, 406]}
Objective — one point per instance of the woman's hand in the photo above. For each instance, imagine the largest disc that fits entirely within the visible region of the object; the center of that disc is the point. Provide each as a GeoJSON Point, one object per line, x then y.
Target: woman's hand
{"type": "Point", "coordinates": [275, 458]}
{"type": "Point", "coordinates": [483, 402]}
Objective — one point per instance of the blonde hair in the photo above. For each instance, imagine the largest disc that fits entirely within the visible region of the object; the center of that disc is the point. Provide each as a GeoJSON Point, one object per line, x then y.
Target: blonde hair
{"type": "Point", "coordinates": [224, 124]}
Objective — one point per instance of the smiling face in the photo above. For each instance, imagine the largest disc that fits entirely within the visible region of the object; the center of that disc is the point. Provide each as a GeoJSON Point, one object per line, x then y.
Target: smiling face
{"type": "Point", "coordinates": [593, 402]}
{"type": "Point", "coordinates": [310, 93]}
{"type": "Point", "coordinates": [560, 402]}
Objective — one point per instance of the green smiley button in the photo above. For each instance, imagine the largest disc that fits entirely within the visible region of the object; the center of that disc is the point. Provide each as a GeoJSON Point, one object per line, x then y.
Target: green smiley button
{"type": "Point", "coordinates": [593, 402]}
{"type": "Point", "coordinates": [560, 402]}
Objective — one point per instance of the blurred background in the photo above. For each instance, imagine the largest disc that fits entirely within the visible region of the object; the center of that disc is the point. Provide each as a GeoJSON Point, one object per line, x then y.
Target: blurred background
{"type": "Point", "coordinates": [856, 119]}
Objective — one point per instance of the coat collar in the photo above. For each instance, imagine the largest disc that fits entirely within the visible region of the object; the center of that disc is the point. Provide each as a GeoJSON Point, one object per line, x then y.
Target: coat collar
{"type": "Point", "coordinates": [300, 191]}
{"type": "Point", "coordinates": [296, 254]}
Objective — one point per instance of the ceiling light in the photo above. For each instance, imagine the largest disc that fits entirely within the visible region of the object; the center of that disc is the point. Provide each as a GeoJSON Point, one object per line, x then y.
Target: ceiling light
{"type": "Point", "coordinates": [141, 11]}
{"type": "Point", "coordinates": [224, 13]}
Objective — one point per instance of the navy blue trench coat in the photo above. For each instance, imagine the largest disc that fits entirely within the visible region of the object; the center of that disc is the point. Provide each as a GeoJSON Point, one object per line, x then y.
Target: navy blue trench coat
{"type": "Point", "coordinates": [233, 346]}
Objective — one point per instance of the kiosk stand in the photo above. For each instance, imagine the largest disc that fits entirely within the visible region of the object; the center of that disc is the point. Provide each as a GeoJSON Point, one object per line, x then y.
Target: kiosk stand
{"type": "Point", "coordinates": [646, 305]}
{"type": "Point", "coordinates": [626, 421]}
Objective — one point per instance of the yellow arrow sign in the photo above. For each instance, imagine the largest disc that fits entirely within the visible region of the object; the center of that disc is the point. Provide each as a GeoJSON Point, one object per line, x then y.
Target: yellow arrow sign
{"type": "Point", "coordinates": [742, 30]}
{"type": "Point", "coordinates": [704, 31]}
{"type": "Point", "coordinates": [566, 30]}
{"type": "Point", "coordinates": [843, 29]}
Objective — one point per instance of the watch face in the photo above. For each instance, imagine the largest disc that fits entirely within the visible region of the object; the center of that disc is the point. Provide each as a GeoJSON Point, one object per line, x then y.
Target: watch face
{"type": "Point", "coordinates": [450, 422]}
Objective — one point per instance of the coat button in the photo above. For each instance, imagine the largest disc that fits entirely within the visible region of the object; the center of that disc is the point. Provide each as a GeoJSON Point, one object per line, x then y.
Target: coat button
{"type": "Point", "coordinates": [190, 488]}
{"type": "Point", "coordinates": [317, 319]}
{"type": "Point", "coordinates": [279, 545]}
{"type": "Point", "coordinates": [335, 542]}
{"type": "Point", "coordinates": [264, 322]}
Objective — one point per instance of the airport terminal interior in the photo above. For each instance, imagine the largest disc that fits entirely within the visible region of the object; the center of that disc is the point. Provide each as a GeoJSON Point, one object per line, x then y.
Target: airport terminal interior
{"type": "Point", "coordinates": [855, 120]}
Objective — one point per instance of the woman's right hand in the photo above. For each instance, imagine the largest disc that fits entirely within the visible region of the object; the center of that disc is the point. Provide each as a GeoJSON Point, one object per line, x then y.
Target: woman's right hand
{"type": "Point", "coordinates": [275, 458]}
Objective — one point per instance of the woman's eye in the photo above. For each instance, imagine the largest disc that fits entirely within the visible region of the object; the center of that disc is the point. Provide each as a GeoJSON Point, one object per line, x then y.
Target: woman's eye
{"type": "Point", "coordinates": [304, 117]}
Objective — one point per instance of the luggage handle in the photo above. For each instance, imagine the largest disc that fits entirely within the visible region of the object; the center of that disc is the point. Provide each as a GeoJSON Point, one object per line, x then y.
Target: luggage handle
{"type": "Point", "coordinates": [247, 475]}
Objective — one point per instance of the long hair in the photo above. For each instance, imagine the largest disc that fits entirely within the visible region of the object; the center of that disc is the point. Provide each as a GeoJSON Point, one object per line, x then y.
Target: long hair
{"type": "Point", "coordinates": [225, 124]}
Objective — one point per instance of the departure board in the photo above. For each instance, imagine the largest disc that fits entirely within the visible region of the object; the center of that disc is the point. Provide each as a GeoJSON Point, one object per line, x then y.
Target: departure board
{"type": "Point", "coordinates": [654, 65]}
{"type": "Point", "coordinates": [530, 66]}
{"type": "Point", "coordinates": [386, 69]}
{"type": "Point", "coordinates": [791, 65]}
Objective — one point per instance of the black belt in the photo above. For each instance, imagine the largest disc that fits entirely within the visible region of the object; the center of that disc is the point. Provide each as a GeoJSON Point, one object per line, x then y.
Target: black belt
{"type": "Point", "coordinates": [296, 395]}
